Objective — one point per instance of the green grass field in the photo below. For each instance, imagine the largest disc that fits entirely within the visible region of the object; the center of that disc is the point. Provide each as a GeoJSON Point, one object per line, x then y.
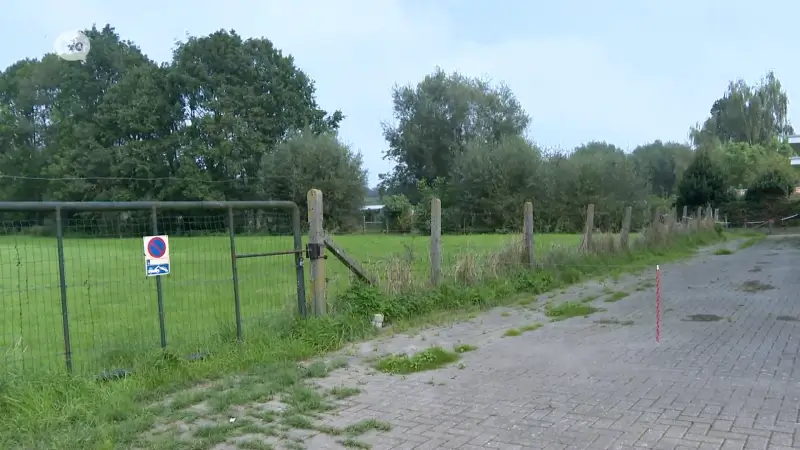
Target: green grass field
{"type": "Point", "coordinates": [113, 308]}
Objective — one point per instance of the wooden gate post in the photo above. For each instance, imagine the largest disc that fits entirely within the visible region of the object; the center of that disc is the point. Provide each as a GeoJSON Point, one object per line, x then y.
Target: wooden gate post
{"type": "Point", "coordinates": [316, 250]}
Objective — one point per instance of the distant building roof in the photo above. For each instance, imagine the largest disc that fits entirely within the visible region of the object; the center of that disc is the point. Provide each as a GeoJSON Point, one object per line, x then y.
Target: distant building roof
{"type": "Point", "coordinates": [372, 208]}
{"type": "Point", "coordinates": [794, 142]}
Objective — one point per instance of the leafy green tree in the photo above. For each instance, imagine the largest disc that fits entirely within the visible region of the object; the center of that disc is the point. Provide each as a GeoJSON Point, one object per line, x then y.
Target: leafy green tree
{"type": "Point", "coordinates": [242, 97]}
{"type": "Point", "coordinates": [750, 114]}
{"type": "Point", "coordinates": [703, 182]}
{"type": "Point", "coordinates": [490, 183]}
{"type": "Point", "coordinates": [309, 160]}
{"type": "Point", "coordinates": [121, 127]}
{"type": "Point", "coordinates": [774, 183]}
{"type": "Point", "coordinates": [662, 164]}
{"type": "Point", "coordinates": [399, 213]}
{"type": "Point", "coordinates": [422, 209]}
{"type": "Point", "coordinates": [437, 119]}
{"type": "Point", "coordinates": [608, 179]}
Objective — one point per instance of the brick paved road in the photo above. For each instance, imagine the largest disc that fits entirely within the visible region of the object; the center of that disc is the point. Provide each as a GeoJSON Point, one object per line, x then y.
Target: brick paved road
{"type": "Point", "coordinates": [727, 384]}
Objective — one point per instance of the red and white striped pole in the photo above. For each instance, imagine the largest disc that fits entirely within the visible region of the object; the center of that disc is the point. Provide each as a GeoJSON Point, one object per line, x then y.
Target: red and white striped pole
{"type": "Point", "coordinates": [658, 304]}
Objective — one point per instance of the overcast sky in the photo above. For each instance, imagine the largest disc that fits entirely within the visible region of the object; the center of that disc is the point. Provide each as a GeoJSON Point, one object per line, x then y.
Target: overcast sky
{"type": "Point", "coordinates": [626, 71]}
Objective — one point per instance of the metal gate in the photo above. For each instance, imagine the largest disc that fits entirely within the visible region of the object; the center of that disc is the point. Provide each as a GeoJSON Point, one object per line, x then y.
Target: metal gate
{"type": "Point", "coordinates": [58, 211]}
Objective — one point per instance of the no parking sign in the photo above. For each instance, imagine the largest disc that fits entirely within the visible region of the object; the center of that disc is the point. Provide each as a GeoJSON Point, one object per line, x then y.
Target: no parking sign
{"type": "Point", "coordinates": [156, 255]}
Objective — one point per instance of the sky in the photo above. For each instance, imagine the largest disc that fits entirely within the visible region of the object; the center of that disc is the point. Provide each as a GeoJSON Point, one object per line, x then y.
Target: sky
{"type": "Point", "coordinates": [625, 72]}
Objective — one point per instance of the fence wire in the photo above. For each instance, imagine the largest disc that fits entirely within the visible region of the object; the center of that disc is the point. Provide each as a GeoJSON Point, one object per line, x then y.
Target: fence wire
{"type": "Point", "coordinates": [400, 260]}
{"type": "Point", "coordinates": [112, 312]}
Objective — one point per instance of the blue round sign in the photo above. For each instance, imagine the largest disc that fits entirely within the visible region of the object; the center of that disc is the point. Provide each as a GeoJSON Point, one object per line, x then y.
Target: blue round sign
{"type": "Point", "coordinates": [156, 247]}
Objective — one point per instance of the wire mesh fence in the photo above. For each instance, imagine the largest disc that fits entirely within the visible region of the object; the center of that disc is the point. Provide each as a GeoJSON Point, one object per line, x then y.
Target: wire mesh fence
{"type": "Point", "coordinates": [75, 292]}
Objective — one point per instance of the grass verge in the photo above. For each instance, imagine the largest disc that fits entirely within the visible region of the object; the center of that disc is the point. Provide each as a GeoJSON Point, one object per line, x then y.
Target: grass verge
{"type": "Point", "coordinates": [56, 410]}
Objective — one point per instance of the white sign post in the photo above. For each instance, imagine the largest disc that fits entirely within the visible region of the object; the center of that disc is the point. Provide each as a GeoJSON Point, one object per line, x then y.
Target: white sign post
{"type": "Point", "coordinates": [156, 255]}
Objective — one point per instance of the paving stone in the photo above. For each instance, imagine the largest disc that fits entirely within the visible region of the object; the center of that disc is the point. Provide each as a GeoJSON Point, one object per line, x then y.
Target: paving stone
{"type": "Point", "coordinates": [732, 383]}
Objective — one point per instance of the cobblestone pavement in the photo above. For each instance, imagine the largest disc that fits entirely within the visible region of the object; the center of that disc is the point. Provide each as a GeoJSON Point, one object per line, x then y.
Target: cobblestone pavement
{"type": "Point", "coordinates": [602, 381]}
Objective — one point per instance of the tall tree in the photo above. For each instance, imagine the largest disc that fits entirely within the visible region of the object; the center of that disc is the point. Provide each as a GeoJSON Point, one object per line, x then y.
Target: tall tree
{"type": "Point", "coordinates": [703, 182]}
{"type": "Point", "coordinates": [309, 160]}
{"type": "Point", "coordinates": [437, 119]}
{"type": "Point", "coordinates": [662, 164]}
{"type": "Point", "coordinates": [242, 97]}
{"type": "Point", "coordinates": [750, 114]}
{"type": "Point", "coordinates": [490, 183]}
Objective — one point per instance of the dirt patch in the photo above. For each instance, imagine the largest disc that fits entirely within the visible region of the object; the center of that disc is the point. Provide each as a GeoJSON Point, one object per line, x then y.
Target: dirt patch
{"type": "Point", "coordinates": [755, 286]}
{"type": "Point", "coordinates": [703, 318]}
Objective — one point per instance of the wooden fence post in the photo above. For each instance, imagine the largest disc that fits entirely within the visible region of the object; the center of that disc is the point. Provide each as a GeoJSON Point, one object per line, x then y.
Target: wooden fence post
{"type": "Point", "coordinates": [673, 213]}
{"type": "Point", "coordinates": [626, 228]}
{"type": "Point", "coordinates": [436, 241]}
{"type": "Point", "coordinates": [586, 245]}
{"type": "Point", "coordinates": [685, 217]}
{"type": "Point", "coordinates": [529, 233]}
{"type": "Point", "coordinates": [316, 247]}
{"type": "Point", "coordinates": [699, 217]}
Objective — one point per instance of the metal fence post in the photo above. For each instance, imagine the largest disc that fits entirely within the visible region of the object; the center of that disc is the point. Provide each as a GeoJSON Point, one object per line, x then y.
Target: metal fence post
{"type": "Point", "coordinates": [159, 288]}
{"type": "Point", "coordinates": [237, 305]}
{"type": "Point", "coordinates": [62, 281]}
{"type": "Point", "coordinates": [298, 262]}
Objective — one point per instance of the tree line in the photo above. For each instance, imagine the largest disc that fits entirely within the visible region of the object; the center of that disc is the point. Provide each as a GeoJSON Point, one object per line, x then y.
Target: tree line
{"type": "Point", "coordinates": [229, 118]}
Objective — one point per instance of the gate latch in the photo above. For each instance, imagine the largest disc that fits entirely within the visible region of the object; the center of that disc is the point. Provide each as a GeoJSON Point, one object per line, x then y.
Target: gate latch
{"type": "Point", "coordinates": [314, 251]}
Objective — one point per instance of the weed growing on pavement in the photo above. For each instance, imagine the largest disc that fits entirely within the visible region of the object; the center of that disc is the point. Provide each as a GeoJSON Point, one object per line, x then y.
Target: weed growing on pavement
{"type": "Point", "coordinates": [428, 359]}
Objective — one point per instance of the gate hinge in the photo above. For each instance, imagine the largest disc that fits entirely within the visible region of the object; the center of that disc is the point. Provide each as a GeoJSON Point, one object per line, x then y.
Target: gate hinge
{"type": "Point", "coordinates": [314, 251]}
